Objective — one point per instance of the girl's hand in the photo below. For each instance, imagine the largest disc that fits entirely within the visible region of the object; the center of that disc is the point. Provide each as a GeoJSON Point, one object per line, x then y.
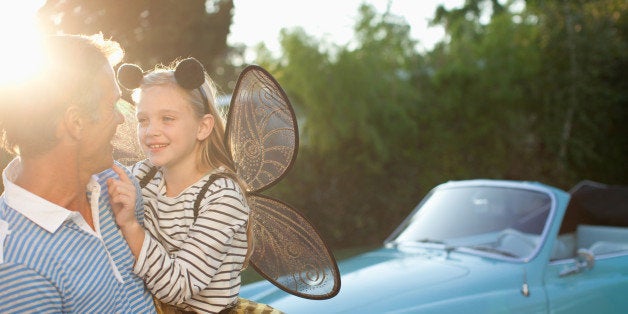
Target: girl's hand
{"type": "Point", "coordinates": [122, 198]}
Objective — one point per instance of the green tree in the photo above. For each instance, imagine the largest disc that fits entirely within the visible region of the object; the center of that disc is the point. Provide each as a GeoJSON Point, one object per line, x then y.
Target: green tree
{"type": "Point", "coordinates": [508, 95]}
{"type": "Point", "coordinates": [359, 132]}
{"type": "Point", "coordinates": [481, 89]}
{"type": "Point", "coordinates": [539, 90]}
{"type": "Point", "coordinates": [153, 31]}
{"type": "Point", "coordinates": [585, 104]}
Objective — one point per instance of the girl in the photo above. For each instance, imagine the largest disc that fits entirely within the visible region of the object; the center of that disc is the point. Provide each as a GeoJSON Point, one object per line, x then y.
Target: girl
{"type": "Point", "coordinates": [190, 255]}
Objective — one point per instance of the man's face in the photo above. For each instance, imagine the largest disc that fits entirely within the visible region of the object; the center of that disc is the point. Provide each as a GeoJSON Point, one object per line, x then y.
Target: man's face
{"type": "Point", "coordinates": [96, 148]}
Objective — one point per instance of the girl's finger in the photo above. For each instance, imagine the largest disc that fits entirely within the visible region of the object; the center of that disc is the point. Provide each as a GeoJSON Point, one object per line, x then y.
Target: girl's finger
{"type": "Point", "coordinates": [121, 173]}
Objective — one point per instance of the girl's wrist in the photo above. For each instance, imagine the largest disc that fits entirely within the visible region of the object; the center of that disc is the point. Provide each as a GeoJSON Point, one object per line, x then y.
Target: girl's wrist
{"type": "Point", "coordinates": [132, 227]}
{"type": "Point", "coordinates": [134, 235]}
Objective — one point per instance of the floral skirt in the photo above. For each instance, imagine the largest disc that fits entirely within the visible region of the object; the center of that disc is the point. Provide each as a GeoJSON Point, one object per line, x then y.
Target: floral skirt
{"type": "Point", "coordinates": [243, 306]}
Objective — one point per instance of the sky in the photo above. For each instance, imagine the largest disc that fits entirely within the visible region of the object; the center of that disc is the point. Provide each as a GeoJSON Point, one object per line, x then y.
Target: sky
{"type": "Point", "coordinates": [257, 21]}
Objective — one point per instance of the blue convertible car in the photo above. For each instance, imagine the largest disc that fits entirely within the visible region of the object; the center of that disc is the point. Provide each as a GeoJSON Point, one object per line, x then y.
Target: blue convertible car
{"type": "Point", "coordinates": [489, 246]}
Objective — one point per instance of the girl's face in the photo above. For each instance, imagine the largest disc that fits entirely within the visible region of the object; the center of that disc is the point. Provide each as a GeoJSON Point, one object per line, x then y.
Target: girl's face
{"type": "Point", "coordinates": [169, 131]}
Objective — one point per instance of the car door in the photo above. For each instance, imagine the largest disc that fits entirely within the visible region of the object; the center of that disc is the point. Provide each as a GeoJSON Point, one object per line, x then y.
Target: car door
{"type": "Point", "coordinates": [599, 289]}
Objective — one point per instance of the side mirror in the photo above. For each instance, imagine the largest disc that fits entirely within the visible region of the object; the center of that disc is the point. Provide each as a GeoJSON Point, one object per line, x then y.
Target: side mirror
{"type": "Point", "coordinates": [584, 261]}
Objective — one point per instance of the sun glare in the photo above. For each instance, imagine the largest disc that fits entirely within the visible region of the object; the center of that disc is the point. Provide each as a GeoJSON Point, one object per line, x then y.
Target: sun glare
{"type": "Point", "coordinates": [19, 33]}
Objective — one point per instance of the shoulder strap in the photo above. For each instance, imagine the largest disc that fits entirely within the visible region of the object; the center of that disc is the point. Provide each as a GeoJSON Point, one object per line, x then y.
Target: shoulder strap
{"type": "Point", "coordinates": [203, 191]}
{"type": "Point", "coordinates": [201, 194]}
{"type": "Point", "coordinates": [149, 176]}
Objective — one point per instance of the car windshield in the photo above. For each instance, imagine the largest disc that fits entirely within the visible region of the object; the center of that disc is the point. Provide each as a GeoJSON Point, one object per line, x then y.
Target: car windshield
{"type": "Point", "coordinates": [495, 220]}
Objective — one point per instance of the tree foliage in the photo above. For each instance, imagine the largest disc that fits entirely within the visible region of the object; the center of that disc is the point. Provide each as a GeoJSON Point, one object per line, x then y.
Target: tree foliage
{"type": "Point", "coordinates": [152, 31]}
{"type": "Point", "coordinates": [359, 131]}
{"type": "Point", "coordinates": [532, 94]}
{"type": "Point", "coordinates": [583, 87]}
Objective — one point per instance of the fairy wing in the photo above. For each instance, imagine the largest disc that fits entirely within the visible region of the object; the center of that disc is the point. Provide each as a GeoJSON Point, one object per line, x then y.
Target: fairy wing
{"type": "Point", "coordinates": [262, 133]}
{"type": "Point", "coordinates": [126, 146]}
{"type": "Point", "coordinates": [292, 254]}
{"type": "Point", "coordinates": [262, 137]}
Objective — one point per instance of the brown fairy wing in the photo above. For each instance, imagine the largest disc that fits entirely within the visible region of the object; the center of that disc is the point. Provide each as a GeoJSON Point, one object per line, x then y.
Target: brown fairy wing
{"type": "Point", "coordinates": [262, 137]}
{"type": "Point", "coordinates": [289, 251]}
{"type": "Point", "coordinates": [262, 133]}
{"type": "Point", "coordinates": [126, 146]}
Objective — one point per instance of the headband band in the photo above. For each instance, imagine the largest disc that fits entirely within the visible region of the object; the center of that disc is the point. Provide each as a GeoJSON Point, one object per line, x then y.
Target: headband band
{"type": "Point", "coordinates": [189, 74]}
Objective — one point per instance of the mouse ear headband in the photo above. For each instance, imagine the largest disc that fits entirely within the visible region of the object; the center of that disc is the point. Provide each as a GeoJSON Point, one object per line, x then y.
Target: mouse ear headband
{"type": "Point", "coordinates": [189, 74]}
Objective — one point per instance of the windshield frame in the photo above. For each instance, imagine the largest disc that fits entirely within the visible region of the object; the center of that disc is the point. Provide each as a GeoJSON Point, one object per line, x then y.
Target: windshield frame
{"type": "Point", "coordinates": [520, 185]}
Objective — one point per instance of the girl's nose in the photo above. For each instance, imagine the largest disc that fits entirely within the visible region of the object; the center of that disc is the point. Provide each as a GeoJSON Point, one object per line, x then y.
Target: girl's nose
{"type": "Point", "coordinates": [150, 129]}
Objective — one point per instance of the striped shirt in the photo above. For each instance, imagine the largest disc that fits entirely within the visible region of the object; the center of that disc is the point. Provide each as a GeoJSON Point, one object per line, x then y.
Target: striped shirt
{"type": "Point", "coordinates": [54, 262]}
{"type": "Point", "coordinates": [193, 263]}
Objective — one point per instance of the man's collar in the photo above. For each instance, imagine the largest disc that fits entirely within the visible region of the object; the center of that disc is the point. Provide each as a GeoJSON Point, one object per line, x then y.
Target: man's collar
{"type": "Point", "coordinates": [44, 213]}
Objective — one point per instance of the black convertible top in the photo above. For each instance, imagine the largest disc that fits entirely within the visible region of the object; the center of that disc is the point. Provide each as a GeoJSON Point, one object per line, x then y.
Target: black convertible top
{"type": "Point", "coordinates": [600, 204]}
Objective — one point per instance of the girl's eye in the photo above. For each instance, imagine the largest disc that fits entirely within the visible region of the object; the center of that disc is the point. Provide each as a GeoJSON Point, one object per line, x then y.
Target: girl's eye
{"type": "Point", "coordinates": [142, 121]}
{"type": "Point", "coordinates": [167, 119]}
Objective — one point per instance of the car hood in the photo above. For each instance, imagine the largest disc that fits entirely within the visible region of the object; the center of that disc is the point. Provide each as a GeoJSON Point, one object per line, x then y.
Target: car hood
{"type": "Point", "coordinates": [388, 278]}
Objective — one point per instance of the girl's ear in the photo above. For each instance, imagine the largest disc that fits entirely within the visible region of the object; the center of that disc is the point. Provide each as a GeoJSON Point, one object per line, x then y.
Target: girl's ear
{"type": "Point", "coordinates": [205, 127]}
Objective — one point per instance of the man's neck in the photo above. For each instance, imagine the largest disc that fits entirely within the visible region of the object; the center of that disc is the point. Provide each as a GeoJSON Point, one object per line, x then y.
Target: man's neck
{"type": "Point", "coordinates": [56, 178]}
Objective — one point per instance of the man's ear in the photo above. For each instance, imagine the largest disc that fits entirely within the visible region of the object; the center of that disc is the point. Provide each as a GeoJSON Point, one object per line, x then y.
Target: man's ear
{"type": "Point", "coordinates": [73, 122]}
{"type": "Point", "coordinates": [205, 127]}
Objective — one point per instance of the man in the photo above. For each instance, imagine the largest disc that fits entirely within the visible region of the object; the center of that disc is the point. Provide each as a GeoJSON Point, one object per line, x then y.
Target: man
{"type": "Point", "coordinates": [60, 248]}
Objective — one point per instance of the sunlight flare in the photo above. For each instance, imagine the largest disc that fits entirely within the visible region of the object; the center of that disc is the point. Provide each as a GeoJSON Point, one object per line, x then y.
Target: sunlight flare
{"type": "Point", "coordinates": [20, 34]}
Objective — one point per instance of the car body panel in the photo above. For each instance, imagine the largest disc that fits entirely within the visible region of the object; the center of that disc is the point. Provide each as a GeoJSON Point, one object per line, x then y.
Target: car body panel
{"type": "Point", "coordinates": [454, 275]}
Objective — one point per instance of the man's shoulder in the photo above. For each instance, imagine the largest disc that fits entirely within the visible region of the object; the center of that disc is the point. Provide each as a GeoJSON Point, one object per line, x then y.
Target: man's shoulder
{"type": "Point", "coordinates": [24, 289]}
{"type": "Point", "coordinates": [21, 237]}
{"type": "Point", "coordinates": [8, 218]}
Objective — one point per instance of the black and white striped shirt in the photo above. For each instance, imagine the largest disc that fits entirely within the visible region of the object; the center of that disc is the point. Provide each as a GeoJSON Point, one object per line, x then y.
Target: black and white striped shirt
{"type": "Point", "coordinates": [193, 263]}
